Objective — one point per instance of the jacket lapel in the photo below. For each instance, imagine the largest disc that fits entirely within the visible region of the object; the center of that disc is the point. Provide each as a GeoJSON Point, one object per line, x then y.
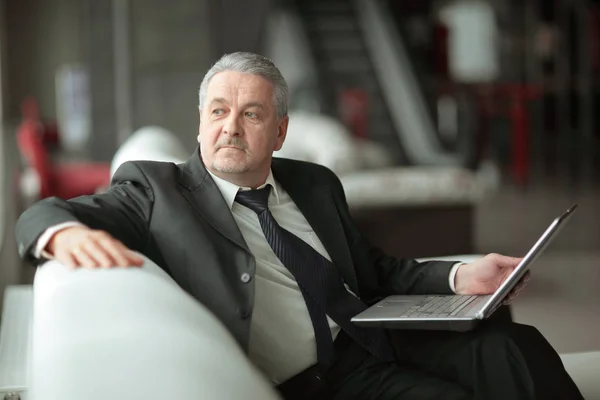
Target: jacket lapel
{"type": "Point", "coordinates": [314, 200]}
{"type": "Point", "coordinates": [204, 195]}
{"type": "Point", "coordinates": [316, 203]}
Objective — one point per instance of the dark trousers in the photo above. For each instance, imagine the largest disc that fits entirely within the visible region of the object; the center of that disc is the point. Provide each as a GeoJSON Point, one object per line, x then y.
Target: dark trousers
{"type": "Point", "coordinates": [499, 360]}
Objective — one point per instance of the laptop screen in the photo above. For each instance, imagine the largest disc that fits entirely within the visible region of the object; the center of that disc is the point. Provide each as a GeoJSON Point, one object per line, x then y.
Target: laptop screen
{"type": "Point", "coordinates": [496, 299]}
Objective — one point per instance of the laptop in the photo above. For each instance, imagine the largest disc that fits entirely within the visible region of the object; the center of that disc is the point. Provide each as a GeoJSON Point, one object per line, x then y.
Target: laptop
{"type": "Point", "coordinates": [453, 312]}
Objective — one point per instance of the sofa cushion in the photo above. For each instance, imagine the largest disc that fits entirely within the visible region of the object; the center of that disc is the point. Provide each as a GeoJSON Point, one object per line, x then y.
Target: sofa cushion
{"type": "Point", "coordinates": [409, 186]}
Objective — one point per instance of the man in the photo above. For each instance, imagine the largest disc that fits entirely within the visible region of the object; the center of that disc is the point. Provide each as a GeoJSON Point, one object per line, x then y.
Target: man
{"type": "Point", "coordinates": [268, 245]}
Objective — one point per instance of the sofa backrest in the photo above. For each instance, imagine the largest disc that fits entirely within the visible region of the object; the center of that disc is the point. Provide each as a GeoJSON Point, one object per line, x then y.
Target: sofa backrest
{"type": "Point", "coordinates": [131, 333]}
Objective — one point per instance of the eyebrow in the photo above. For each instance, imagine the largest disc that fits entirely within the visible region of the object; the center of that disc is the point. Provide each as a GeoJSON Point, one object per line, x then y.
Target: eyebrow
{"type": "Point", "coordinates": [253, 104]}
{"type": "Point", "coordinates": [221, 100]}
{"type": "Point", "coordinates": [218, 100]}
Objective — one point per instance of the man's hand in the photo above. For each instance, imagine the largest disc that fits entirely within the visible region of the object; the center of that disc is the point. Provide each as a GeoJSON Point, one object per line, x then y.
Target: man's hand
{"type": "Point", "coordinates": [485, 275]}
{"type": "Point", "coordinates": [80, 246]}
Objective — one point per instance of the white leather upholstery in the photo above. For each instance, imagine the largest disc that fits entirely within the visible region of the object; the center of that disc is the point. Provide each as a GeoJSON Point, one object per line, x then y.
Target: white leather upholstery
{"type": "Point", "coordinates": [131, 334]}
{"type": "Point", "coordinates": [320, 139]}
{"type": "Point", "coordinates": [367, 173]}
{"type": "Point", "coordinates": [584, 368]}
{"type": "Point", "coordinates": [150, 143]}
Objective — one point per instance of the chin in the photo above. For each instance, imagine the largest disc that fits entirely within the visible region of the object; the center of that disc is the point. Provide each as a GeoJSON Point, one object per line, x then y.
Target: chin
{"type": "Point", "coordinates": [230, 166]}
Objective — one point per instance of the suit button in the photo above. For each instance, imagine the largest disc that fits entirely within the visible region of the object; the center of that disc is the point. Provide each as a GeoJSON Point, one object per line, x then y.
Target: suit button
{"type": "Point", "coordinates": [243, 313]}
{"type": "Point", "coordinates": [245, 278]}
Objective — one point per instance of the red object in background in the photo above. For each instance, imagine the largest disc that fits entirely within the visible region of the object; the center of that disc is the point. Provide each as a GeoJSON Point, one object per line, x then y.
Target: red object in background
{"type": "Point", "coordinates": [519, 95]}
{"type": "Point", "coordinates": [30, 110]}
{"type": "Point", "coordinates": [64, 180]}
{"type": "Point", "coordinates": [440, 50]}
{"type": "Point", "coordinates": [520, 141]}
{"type": "Point", "coordinates": [49, 129]}
{"type": "Point", "coordinates": [354, 111]}
{"type": "Point", "coordinates": [50, 134]}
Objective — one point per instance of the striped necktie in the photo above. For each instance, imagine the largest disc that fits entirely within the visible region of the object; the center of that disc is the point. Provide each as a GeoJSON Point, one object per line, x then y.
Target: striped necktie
{"type": "Point", "coordinates": [320, 283]}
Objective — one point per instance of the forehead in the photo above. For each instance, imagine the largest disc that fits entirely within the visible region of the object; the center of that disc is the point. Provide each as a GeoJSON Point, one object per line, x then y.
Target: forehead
{"type": "Point", "coordinates": [231, 85]}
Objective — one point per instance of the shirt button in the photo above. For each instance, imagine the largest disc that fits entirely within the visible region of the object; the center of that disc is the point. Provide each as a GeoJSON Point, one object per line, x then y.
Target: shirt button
{"type": "Point", "coordinates": [243, 313]}
{"type": "Point", "coordinates": [245, 278]}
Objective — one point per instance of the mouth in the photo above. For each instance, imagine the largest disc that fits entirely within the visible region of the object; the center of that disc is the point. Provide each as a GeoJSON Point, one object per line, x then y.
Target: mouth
{"type": "Point", "coordinates": [230, 147]}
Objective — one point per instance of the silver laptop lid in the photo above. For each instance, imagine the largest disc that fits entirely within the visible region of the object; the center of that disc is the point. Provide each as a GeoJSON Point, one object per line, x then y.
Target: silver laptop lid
{"type": "Point", "coordinates": [495, 300]}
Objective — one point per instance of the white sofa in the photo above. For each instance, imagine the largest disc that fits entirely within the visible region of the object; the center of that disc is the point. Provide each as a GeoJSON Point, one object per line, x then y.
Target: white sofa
{"type": "Point", "coordinates": [150, 143]}
{"type": "Point", "coordinates": [131, 334]}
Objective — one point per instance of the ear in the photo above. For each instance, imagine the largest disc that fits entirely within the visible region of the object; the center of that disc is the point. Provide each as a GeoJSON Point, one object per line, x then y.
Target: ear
{"type": "Point", "coordinates": [199, 122]}
{"type": "Point", "coordinates": [281, 132]}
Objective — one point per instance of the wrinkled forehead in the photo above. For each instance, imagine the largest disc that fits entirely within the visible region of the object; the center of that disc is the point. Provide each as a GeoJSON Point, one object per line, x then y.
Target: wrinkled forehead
{"type": "Point", "coordinates": [235, 88]}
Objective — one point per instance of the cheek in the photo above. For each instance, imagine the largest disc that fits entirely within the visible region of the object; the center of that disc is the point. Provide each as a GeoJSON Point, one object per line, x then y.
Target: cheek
{"type": "Point", "coordinates": [207, 139]}
{"type": "Point", "coordinates": [208, 134]}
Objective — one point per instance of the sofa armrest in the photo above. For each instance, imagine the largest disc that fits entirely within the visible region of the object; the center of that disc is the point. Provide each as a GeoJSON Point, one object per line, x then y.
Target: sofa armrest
{"type": "Point", "coordinates": [131, 333]}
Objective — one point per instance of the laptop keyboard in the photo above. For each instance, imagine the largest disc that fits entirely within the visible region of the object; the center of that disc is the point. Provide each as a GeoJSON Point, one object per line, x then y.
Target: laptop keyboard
{"type": "Point", "coordinates": [439, 306]}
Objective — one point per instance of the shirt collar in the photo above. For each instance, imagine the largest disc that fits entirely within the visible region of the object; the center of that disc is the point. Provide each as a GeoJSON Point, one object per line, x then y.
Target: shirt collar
{"type": "Point", "coordinates": [229, 190]}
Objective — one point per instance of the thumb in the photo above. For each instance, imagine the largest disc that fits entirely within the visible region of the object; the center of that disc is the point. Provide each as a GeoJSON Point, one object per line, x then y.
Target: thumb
{"type": "Point", "coordinates": [506, 261]}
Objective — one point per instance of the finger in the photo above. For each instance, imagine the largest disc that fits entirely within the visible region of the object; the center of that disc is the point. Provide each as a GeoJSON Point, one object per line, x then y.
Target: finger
{"type": "Point", "coordinates": [98, 241]}
{"type": "Point", "coordinates": [507, 302]}
{"type": "Point", "coordinates": [522, 284]}
{"type": "Point", "coordinates": [118, 253]}
{"type": "Point", "coordinates": [133, 259]}
{"type": "Point", "coordinates": [514, 293]}
{"type": "Point", "coordinates": [120, 260]}
{"type": "Point", "coordinates": [84, 259]}
{"type": "Point", "coordinates": [511, 297]}
{"type": "Point", "coordinates": [506, 261]}
{"type": "Point", "coordinates": [139, 260]}
{"type": "Point", "coordinates": [68, 260]}
{"type": "Point", "coordinates": [96, 251]}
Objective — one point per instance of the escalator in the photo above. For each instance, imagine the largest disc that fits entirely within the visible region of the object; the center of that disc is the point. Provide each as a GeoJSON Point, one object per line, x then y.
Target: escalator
{"type": "Point", "coordinates": [341, 55]}
{"type": "Point", "coordinates": [355, 44]}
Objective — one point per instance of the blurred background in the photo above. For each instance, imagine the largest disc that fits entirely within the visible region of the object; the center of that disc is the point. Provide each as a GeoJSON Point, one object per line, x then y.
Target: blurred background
{"type": "Point", "coordinates": [456, 126]}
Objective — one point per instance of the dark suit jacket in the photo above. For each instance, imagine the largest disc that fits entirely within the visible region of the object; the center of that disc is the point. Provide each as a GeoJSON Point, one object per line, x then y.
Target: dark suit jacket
{"type": "Point", "coordinates": [175, 215]}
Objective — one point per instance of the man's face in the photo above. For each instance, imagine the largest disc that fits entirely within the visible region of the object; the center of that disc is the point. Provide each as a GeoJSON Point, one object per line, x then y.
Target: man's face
{"type": "Point", "coordinates": [239, 129]}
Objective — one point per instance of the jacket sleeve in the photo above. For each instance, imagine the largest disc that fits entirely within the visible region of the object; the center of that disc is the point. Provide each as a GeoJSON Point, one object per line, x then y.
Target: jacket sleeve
{"type": "Point", "coordinates": [379, 274]}
{"type": "Point", "coordinates": [124, 211]}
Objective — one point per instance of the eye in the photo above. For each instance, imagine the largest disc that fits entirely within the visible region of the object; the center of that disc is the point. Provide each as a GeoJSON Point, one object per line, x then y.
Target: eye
{"type": "Point", "coordinates": [251, 114]}
{"type": "Point", "coordinates": [218, 111]}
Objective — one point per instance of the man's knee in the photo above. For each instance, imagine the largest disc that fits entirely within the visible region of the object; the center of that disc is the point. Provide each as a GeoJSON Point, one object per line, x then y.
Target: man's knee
{"type": "Point", "coordinates": [511, 335]}
{"type": "Point", "coordinates": [510, 330]}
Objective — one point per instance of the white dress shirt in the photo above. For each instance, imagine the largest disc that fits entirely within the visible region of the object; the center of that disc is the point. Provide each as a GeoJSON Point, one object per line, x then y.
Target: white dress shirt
{"type": "Point", "coordinates": [282, 339]}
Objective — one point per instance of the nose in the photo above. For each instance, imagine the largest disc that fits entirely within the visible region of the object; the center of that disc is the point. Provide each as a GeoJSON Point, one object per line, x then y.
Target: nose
{"type": "Point", "coordinates": [232, 125]}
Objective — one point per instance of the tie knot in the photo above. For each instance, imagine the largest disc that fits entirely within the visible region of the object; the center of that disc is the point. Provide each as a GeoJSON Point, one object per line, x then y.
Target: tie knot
{"type": "Point", "coordinates": [256, 200]}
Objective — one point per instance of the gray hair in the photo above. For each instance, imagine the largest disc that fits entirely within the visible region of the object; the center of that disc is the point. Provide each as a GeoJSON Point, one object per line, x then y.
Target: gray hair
{"type": "Point", "coordinates": [254, 64]}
